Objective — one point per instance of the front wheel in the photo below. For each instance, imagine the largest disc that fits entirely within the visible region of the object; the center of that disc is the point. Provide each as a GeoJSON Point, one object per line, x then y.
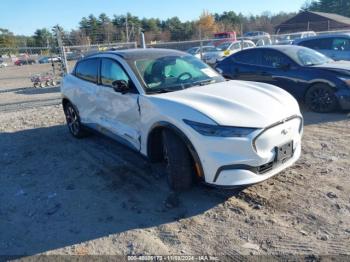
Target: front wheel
{"type": "Point", "coordinates": [321, 98]}
{"type": "Point", "coordinates": [179, 164]}
{"type": "Point", "coordinates": [73, 121]}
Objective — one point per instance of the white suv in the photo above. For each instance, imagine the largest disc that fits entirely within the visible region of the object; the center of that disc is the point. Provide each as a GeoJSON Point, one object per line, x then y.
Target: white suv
{"type": "Point", "coordinates": [172, 107]}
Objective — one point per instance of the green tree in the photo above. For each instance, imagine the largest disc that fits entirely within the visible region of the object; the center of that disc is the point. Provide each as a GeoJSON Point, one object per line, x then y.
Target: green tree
{"type": "Point", "coordinates": [42, 37]}
{"type": "Point", "coordinates": [7, 39]}
{"type": "Point", "coordinates": [341, 7]}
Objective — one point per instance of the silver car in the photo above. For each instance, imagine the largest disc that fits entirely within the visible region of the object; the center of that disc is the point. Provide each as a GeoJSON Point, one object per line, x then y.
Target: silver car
{"type": "Point", "coordinates": [226, 49]}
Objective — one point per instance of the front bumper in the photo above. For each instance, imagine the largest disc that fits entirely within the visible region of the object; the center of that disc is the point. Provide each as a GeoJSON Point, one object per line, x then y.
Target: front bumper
{"type": "Point", "coordinates": [236, 161]}
{"type": "Point", "coordinates": [248, 176]}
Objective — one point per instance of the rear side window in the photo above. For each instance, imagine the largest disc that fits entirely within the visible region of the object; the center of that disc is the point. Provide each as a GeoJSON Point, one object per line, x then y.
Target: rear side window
{"type": "Point", "coordinates": [87, 70]}
{"type": "Point", "coordinates": [341, 44]}
{"type": "Point", "coordinates": [251, 57]}
{"type": "Point", "coordinates": [321, 44]}
{"type": "Point", "coordinates": [272, 58]}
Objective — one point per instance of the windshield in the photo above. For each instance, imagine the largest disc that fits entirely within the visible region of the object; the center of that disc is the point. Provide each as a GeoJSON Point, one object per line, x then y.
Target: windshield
{"type": "Point", "coordinates": [193, 50]}
{"type": "Point", "coordinates": [171, 73]}
{"type": "Point", "coordinates": [307, 57]}
{"type": "Point", "coordinates": [224, 46]}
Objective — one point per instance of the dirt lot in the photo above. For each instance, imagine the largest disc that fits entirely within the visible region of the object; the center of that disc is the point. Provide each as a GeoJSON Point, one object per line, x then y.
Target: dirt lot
{"type": "Point", "coordinates": [59, 195]}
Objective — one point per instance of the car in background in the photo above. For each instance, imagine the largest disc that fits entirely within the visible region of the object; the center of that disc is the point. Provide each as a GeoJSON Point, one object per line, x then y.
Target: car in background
{"type": "Point", "coordinates": [195, 51]}
{"type": "Point", "coordinates": [226, 49]}
{"type": "Point", "coordinates": [335, 46]}
{"type": "Point", "coordinates": [74, 56]}
{"type": "Point", "coordinates": [256, 34]}
{"type": "Point", "coordinates": [259, 38]}
{"type": "Point", "coordinates": [2, 63]}
{"type": "Point", "coordinates": [288, 39]}
{"type": "Point", "coordinates": [323, 84]}
{"type": "Point", "coordinates": [25, 61]}
{"type": "Point", "coordinates": [222, 37]}
{"type": "Point", "coordinates": [49, 59]}
{"type": "Point", "coordinates": [171, 107]}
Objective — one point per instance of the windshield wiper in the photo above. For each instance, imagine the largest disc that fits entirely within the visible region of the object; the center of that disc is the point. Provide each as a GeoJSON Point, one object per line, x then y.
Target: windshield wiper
{"type": "Point", "coordinates": [160, 91]}
{"type": "Point", "coordinates": [202, 82]}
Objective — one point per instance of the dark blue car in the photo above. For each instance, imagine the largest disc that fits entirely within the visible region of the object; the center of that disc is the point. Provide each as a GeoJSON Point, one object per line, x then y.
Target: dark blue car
{"type": "Point", "coordinates": [323, 84]}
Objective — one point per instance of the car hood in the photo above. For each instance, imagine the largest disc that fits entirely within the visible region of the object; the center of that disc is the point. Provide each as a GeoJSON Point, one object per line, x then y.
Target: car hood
{"type": "Point", "coordinates": [238, 103]}
{"type": "Point", "coordinates": [342, 67]}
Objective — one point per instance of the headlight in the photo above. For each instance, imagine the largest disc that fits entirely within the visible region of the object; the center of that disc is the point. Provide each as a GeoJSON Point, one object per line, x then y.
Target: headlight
{"type": "Point", "coordinates": [346, 80]}
{"type": "Point", "coordinates": [219, 131]}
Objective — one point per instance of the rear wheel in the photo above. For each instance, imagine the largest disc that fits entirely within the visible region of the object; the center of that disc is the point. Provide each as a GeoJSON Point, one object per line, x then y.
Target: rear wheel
{"type": "Point", "coordinates": [73, 121]}
{"type": "Point", "coordinates": [179, 164]}
{"type": "Point", "coordinates": [321, 98]}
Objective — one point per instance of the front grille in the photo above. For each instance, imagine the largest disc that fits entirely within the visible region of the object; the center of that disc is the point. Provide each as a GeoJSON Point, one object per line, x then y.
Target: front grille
{"type": "Point", "coordinates": [265, 168]}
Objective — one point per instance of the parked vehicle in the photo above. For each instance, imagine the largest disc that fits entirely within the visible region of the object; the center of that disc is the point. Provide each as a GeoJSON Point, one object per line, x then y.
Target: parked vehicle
{"type": "Point", "coordinates": [288, 39]}
{"type": "Point", "coordinates": [256, 34]}
{"type": "Point", "coordinates": [73, 56]}
{"type": "Point", "coordinates": [308, 75]}
{"type": "Point", "coordinates": [226, 49]}
{"type": "Point", "coordinates": [2, 63]}
{"type": "Point", "coordinates": [335, 46]}
{"type": "Point", "coordinates": [223, 37]}
{"type": "Point", "coordinates": [259, 38]}
{"type": "Point", "coordinates": [195, 51]}
{"type": "Point", "coordinates": [170, 106]}
{"type": "Point", "coordinates": [25, 61]}
{"type": "Point", "coordinates": [47, 59]}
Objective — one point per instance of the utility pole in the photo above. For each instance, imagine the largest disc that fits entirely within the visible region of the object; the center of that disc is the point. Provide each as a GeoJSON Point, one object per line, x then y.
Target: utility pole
{"type": "Point", "coordinates": [127, 28]}
{"type": "Point", "coordinates": [63, 52]}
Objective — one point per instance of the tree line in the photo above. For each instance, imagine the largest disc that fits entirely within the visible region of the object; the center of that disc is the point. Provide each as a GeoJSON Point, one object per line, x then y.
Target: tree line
{"type": "Point", "coordinates": [341, 7]}
{"type": "Point", "coordinates": [122, 28]}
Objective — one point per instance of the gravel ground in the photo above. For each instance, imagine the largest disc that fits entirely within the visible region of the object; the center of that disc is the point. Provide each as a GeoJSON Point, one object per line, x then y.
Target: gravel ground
{"type": "Point", "coordinates": [60, 195]}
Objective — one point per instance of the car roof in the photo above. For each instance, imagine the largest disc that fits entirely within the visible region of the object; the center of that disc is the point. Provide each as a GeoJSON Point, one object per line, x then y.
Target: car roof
{"type": "Point", "coordinates": [140, 53]}
{"type": "Point", "coordinates": [347, 35]}
{"type": "Point", "coordinates": [281, 48]}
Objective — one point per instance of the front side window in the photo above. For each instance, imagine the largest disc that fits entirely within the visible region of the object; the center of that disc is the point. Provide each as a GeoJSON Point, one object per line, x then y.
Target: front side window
{"type": "Point", "coordinates": [112, 71]}
{"type": "Point", "coordinates": [171, 73]}
{"type": "Point", "coordinates": [87, 70]}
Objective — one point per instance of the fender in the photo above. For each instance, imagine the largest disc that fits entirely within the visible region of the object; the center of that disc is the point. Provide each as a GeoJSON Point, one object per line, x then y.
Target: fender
{"type": "Point", "coordinates": [177, 131]}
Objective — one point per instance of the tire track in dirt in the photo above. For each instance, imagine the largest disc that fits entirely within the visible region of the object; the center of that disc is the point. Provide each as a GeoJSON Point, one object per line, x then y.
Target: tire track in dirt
{"type": "Point", "coordinates": [29, 104]}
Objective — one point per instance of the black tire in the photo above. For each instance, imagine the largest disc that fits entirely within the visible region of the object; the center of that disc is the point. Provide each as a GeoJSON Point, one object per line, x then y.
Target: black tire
{"type": "Point", "coordinates": [321, 98]}
{"type": "Point", "coordinates": [73, 121]}
{"type": "Point", "coordinates": [179, 164]}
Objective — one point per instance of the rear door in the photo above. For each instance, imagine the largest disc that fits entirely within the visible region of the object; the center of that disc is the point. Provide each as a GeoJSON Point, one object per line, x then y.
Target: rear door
{"type": "Point", "coordinates": [119, 113]}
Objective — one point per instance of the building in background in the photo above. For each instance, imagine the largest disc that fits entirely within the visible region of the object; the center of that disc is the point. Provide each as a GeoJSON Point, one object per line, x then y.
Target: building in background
{"type": "Point", "coordinates": [313, 21]}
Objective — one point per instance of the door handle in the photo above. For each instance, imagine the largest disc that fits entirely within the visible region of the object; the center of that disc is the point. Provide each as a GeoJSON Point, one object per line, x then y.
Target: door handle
{"type": "Point", "coordinates": [264, 73]}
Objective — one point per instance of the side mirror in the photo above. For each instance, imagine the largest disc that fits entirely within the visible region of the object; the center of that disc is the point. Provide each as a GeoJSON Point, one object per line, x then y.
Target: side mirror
{"type": "Point", "coordinates": [121, 86]}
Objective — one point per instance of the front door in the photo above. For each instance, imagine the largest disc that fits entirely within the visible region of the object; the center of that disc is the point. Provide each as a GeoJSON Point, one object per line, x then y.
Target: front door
{"type": "Point", "coordinates": [120, 114]}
